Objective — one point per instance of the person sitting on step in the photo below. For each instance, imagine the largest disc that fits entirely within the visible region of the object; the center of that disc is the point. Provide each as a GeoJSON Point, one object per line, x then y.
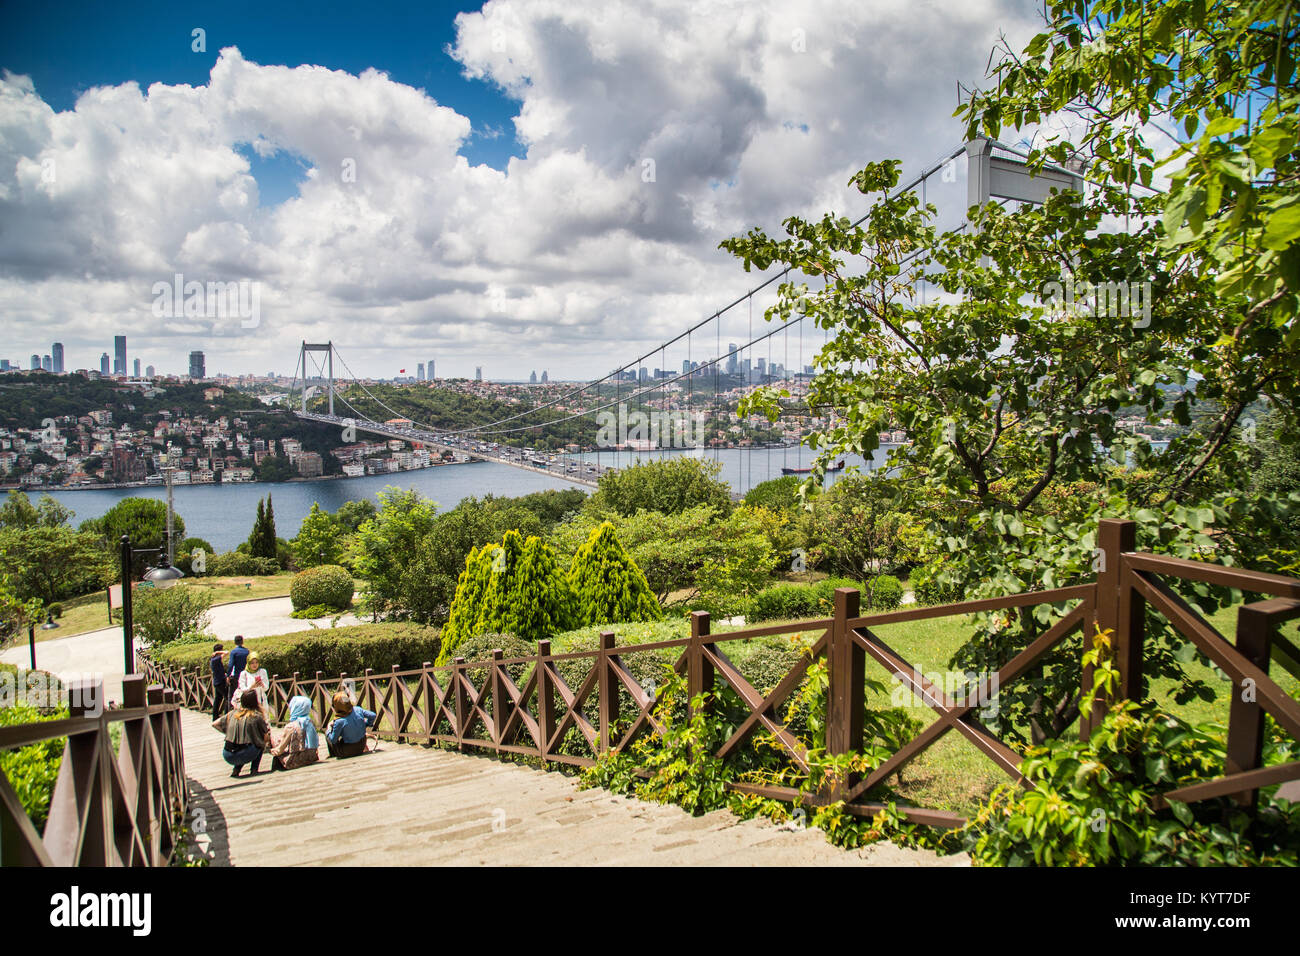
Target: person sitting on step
{"type": "Point", "coordinates": [347, 734]}
{"type": "Point", "coordinates": [298, 743]}
{"type": "Point", "coordinates": [247, 734]}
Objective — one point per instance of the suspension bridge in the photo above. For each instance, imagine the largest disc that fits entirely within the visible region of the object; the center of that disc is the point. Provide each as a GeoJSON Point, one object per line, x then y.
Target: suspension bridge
{"type": "Point", "coordinates": [686, 411]}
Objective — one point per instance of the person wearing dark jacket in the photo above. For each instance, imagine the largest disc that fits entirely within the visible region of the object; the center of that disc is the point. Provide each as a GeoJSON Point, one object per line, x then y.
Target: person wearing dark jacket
{"type": "Point", "coordinates": [221, 695]}
{"type": "Point", "coordinates": [238, 658]}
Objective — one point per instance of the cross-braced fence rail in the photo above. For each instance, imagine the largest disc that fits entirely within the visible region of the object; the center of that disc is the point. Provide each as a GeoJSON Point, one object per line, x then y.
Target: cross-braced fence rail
{"type": "Point", "coordinates": [109, 807]}
{"type": "Point", "coordinates": [527, 705]}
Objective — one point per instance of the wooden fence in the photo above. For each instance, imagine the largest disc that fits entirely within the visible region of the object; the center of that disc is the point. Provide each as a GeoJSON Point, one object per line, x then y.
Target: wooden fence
{"type": "Point", "coordinates": [480, 705]}
{"type": "Point", "coordinates": [109, 807]}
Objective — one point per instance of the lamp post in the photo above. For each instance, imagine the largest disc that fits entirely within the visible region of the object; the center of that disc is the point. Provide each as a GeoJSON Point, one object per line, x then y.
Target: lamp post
{"type": "Point", "coordinates": [163, 576]}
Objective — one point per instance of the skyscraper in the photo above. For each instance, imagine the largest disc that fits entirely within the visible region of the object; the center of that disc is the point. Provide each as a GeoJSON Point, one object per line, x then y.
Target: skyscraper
{"type": "Point", "coordinates": [137, 368]}
{"type": "Point", "coordinates": [419, 372]}
{"type": "Point", "coordinates": [148, 371]}
{"type": "Point", "coordinates": [57, 352]}
{"type": "Point", "coordinates": [119, 355]}
{"type": "Point", "coordinates": [429, 370]}
{"type": "Point", "coordinates": [197, 369]}
{"type": "Point", "coordinates": [47, 363]}
{"type": "Point", "coordinates": [36, 362]}
{"type": "Point", "coordinates": [731, 359]}
{"type": "Point", "coordinates": [478, 373]}
{"type": "Point", "coordinates": [532, 379]}
{"type": "Point", "coordinates": [544, 378]}
{"type": "Point", "coordinates": [103, 364]}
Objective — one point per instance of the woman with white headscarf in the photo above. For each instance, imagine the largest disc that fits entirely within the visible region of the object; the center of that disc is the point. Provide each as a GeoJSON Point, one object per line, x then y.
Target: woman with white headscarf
{"type": "Point", "coordinates": [254, 677]}
{"type": "Point", "coordinates": [299, 742]}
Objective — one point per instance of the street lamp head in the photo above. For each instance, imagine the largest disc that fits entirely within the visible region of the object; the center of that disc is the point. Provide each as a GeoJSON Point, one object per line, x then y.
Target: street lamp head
{"type": "Point", "coordinates": [163, 576]}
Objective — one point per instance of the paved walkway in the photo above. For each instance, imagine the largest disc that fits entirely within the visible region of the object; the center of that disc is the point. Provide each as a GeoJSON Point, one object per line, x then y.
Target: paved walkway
{"type": "Point", "coordinates": [101, 652]}
{"type": "Point", "coordinates": [407, 805]}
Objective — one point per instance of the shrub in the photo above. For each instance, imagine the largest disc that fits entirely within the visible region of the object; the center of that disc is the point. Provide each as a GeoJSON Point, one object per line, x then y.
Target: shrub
{"type": "Point", "coordinates": [328, 586]}
{"type": "Point", "coordinates": [33, 770]}
{"type": "Point", "coordinates": [608, 585]}
{"type": "Point", "coordinates": [480, 646]}
{"type": "Point", "coordinates": [769, 662]}
{"type": "Point", "coordinates": [721, 606]}
{"type": "Point", "coordinates": [929, 589]}
{"type": "Point", "coordinates": [161, 616]}
{"type": "Point", "coordinates": [1092, 803]}
{"type": "Point", "coordinates": [329, 650]}
{"type": "Point", "coordinates": [886, 593]}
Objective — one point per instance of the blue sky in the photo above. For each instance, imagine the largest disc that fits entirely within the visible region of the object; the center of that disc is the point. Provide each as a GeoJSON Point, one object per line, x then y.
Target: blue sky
{"type": "Point", "coordinates": [407, 226]}
{"type": "Point", "coordinates": [151, 42]}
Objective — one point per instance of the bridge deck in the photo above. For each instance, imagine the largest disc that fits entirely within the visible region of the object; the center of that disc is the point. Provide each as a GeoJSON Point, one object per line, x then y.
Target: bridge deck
{"type": "Point", "coordinates": [409, 805]}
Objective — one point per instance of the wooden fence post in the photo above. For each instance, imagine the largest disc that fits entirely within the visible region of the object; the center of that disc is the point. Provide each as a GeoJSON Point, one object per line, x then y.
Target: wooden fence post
{"type": "Point", "coordinates": [545, 700]}
{"type": "Point", "coordinates": [498, 704]}
{"type": "Point", "coordinates": [846, 676]}
{"type": "Point", "coordinates": [1120, 610]}
{"type": "Point", "coordinates": [699, 669]}
{"type": "Point", "coordinates": [399, 705]}
{"type": "Point", "coordinates": [462, 703]}
{"type": "Point", "coordinates": [1245, 716]}
{"type": "Point", "coordinates": [430, 699]}
{"type": "Point", "coordinates": [608, 691]}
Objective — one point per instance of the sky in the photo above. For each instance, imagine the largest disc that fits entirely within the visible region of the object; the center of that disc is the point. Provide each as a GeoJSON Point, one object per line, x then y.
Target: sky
{"type": "Point", "coordinates": [514, 185]}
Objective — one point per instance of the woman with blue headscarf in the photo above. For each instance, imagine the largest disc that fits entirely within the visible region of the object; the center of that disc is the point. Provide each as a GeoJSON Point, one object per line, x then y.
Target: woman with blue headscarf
{"type": "Point", "coordinates": [298, 744]}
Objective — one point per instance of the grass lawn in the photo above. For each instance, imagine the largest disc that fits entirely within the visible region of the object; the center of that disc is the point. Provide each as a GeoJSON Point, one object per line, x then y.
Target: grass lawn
{"type": "Point", "coordinates": [90, 611]}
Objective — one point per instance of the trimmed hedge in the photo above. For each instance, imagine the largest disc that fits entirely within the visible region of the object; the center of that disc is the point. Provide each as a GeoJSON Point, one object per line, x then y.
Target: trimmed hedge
{"type": "Point", "coordinates": [327, 586]}
{"type": "Point", "coordinates": [792, 602]}
{"type": "Point", "coordinates": [239, 564]}
{"type": "Point", "coordinates": [332, 650]}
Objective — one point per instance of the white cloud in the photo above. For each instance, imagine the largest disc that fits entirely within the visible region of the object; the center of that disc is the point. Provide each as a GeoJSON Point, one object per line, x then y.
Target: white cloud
{"type": "Point", "coordinates": [750, 112]}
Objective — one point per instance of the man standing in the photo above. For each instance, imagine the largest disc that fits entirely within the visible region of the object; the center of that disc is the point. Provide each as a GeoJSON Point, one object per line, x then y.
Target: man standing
{"type": "Point", "coordinates": [221, 700]}
{"type": "Point", "coordinates": [238, 659]}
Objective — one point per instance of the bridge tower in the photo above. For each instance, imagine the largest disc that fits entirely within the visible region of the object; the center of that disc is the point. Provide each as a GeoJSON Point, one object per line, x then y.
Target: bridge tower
{"type": "Point", "coordinates": [327, 347]}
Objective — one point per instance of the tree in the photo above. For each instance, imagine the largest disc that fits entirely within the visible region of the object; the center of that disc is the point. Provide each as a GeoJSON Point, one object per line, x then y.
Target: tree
{"type": "Point", "coordinates": [273, 468]}
{"type": "Point", "coordinates": [669, 549]}
{"type": "Point", "coordinates": [775, 493]}
{"type": "Point", "coordinates": [468, 601]}
{"type": "Point", "coordinates": [543, 603]}
{"type": "Point", "coordinates": [16, 612]}
{"type": "Point", "coordinates": [1222, 75]}
{"type": "Point", "coordinates": [144, 520]}
{"type": "Point", "coordinates": [668, 486]}
{"type": "Point", "coordinates": [261, 541]}
{"type": "Point", "coordinates": [351, 515]}
{"type": "Point", "coordinates": [608, 585]}
{"type": "Point", "coordinates": [385, 547]}
{"type": "Point", "coordinates": [319, 539]}
{"type": "Point", "coordinates": [187, 555]}
{"type": "Point", "coordinates": [18, 512]}
{"type": "Point", "coordinates": [1007, 396]}
{"type": "Point", "coordinates": [53, 564]}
